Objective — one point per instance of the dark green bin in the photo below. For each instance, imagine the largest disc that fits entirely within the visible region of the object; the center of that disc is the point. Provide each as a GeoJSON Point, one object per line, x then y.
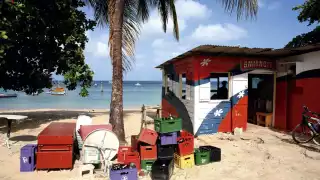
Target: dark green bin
{"type": "Point", "coordinates": [167, 125]}
{"type": "Point", "coordinates": [201, 157]}
{"type": "Point", "coordinates": [147, 164]}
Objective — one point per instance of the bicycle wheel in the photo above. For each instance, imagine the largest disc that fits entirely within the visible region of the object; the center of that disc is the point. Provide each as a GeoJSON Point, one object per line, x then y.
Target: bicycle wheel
{"type": "Point", "coordinates": [316, 139]}
{"type": "Point", "coordinates": [302, 134]}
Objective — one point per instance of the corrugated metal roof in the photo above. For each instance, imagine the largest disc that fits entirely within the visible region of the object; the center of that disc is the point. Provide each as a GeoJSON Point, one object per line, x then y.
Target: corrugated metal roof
{"type": "Point", "coordinates": [214, 50]}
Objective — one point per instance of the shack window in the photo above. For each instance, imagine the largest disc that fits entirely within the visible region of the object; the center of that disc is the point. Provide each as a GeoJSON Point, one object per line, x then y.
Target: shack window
{"type": "Point", "coordinates": [169, 82]}
{"type": "Point", "coordinates": [183, 82]}
{"type": "Point", "coordinates": [219, 86]}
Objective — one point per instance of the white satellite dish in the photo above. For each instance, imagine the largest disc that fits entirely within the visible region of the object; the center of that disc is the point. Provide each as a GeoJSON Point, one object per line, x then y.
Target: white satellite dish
{"type": "Point", "coordinates": [100, 146]}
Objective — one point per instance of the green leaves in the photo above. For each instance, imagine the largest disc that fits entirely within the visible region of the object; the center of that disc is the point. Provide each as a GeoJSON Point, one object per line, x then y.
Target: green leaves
{"type": "Point", "coordinates": [31, 35]}
{"type": "Point", "coordinates": [309, 11]}
{"type": "Point", "coordinates": [311, 37]}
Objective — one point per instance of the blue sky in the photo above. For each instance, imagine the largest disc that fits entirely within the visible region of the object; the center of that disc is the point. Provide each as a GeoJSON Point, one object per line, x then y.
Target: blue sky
{"type": "Point", "coordinates": [200, 22]}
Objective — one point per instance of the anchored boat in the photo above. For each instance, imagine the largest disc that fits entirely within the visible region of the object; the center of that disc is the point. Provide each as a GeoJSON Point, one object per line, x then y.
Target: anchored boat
{"type": "Point", "coordinates": [57, 91]}
{"type": "Point", "coordinates": [8, 95]}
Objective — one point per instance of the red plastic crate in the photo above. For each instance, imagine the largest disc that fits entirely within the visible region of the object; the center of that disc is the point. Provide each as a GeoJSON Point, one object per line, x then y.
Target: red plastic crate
{"type": "Point", "coordinates": [148, 136]}
{"type": "Point", "coordinates": [123, 150]}
{"type": "Point", "coordinates": [148, 152]}
{"type": "Point", "coordinates": [134, 142]}
{"type": "Point", "coordinates": [131, 157]}
{"type": "Point", "coordinates": [185, 147]}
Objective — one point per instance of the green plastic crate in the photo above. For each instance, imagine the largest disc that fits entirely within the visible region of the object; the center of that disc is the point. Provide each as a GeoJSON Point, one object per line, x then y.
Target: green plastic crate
{"type": "Point", "coordinates": [201, 157]}
{"type": "Point", "coordinates": [167, 125]}
{"type": "Point", "coordinates": [147, 164]}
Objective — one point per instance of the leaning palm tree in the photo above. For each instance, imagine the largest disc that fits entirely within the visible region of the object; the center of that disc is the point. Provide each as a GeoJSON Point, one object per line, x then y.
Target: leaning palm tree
{"type": "Point", "coordinates": [124, 19]}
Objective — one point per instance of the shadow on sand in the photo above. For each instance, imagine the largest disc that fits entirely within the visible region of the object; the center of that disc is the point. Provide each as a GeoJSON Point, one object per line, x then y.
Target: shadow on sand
{"type": "Point", "coordinates": [37, 118]}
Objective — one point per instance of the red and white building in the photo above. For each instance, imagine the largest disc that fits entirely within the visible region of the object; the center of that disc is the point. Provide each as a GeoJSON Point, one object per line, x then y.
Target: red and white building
{"type": "Point", "coordinates": [276, 81]}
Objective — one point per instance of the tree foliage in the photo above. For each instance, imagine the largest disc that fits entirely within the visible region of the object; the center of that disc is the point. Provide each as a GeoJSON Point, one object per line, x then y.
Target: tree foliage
{"type": "Point", "coordinates": [310, 12]}
{"type": "Point", "coordinates": [304, 39]}
{"type": "Point", "coordinates": [39, 38]}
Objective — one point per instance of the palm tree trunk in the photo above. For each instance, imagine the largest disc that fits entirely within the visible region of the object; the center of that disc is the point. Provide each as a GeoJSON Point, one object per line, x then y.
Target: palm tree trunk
{"type": "Point", "coordinates": [116, 105]}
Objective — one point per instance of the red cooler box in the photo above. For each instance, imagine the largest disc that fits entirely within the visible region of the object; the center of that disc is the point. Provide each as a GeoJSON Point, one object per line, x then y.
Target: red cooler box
{"type": "Point", "coordinates": [55, 146]}
{"type": "Point", "coordinates": [85, 130]}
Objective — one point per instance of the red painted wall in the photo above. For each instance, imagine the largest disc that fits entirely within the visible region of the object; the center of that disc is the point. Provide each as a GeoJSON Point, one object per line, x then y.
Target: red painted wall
{"type": "Point", "coordinates": [167, 109]}
{"type": "Point", "coordinates": [299, 92]}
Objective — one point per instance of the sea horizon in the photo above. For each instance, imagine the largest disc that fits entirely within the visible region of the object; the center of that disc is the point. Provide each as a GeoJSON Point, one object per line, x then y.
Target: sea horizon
{"type": "Point", "coordinates": [134, 96]}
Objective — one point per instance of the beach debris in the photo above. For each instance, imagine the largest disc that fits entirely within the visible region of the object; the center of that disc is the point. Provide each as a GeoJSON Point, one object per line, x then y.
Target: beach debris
{"type": "Point", "coordinates": [237, 131]}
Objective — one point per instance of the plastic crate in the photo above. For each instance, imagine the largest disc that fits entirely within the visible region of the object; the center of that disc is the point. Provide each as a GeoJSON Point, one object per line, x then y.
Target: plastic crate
{"type": "Point", "coordinates": [215, 153]}
{"type": "Point", "coordinates": [129, 173]}
{"type": "Point", "coordinates": [135, 142]}
{"type": "Point", "coordinates": [28, 158]}
{"type": "Point", "coordinates": [185, 143]}
{"type": "Point", "coordinates": [147, 164]}
{"type": "Point", "coordinates": [162, 169]}
{"type": "Point", "coordinates": [201, 156]}
{"type": "Point", "coordinates": [131, 157]}
{"type": "Point", "coordinates": [168, 138]}
{"type": "Point", "coordinates": [148, 152]}
{"type": "Point", "coordinates": [167, 125]}
{"type": "Point", "coordinates": [165, 152]}
{"type": "Point", "coordinates": [184, 161]}
{"type": "Point", "coordinates": [122, 151]}
{"type": "Point", "coordinates": [148, 136]}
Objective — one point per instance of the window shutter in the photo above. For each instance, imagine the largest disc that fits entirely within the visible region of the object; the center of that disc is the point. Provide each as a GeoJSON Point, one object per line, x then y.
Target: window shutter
{"type": "Point", "coordinates": [204, 90]}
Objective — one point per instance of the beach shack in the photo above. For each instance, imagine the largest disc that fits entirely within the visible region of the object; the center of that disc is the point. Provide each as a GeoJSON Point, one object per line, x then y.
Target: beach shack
{"type": "Point", "coordinates": [218, 88]}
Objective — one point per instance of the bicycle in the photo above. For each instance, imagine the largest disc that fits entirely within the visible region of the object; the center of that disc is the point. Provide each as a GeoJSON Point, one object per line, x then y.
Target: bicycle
{"type": "Point", "coordinates": [307, 128]}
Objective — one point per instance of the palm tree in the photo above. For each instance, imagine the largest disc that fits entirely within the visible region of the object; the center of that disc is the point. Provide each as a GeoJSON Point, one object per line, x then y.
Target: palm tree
{"type": "Point", "coordinates": [124, 19]}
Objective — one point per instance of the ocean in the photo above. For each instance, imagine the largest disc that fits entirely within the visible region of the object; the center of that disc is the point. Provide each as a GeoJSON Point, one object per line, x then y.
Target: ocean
{"type": "Point", "coordinates": [148, 93]}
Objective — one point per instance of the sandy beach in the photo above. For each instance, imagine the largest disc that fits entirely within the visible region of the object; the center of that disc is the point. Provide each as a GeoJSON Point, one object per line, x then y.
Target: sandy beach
{"type": "Point", "coordinates": [259, 153]}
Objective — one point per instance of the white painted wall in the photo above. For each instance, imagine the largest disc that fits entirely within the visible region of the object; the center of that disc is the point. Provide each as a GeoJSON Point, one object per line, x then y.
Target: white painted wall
{"type": "Point", "coordinates": [202, 107]}
{"type": "Point", "coordinates": [304, 62]}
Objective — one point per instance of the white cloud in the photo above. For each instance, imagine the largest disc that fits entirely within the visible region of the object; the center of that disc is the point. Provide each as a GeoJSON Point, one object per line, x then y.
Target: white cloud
{"type": "Point", "coordinates": [102, 49]}
{"type": "Point", "coordinates": [186, 9]}
{"type": "Point", "coordinates": [218, 33]}
{"type": "Point", "coordinates": [192, 9]}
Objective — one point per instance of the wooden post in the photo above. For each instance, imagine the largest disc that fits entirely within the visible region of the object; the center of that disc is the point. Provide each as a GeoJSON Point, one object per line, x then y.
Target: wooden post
{"type": "Point", "coordinates": [142, 117]}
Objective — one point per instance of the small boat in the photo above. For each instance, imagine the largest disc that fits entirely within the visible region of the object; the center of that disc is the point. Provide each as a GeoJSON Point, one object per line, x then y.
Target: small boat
{"type": "Point", "coordinates": [58, 91]}
{"type": "Point", "coordinates": [137, 84]}
{"type": "Point", "coordinates": [95, 84]}
{"type": "Point", "coordinates": [8, 95]}
{"type": "Point", "coordinates": [110, 82]}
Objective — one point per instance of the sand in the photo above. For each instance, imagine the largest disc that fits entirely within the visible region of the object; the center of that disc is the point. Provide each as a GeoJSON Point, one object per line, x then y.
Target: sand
{"type": "Point", "coordinates": [259, 153]}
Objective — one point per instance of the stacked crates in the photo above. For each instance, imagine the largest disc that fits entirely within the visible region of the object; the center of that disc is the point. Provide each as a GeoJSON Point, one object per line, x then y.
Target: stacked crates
{"type": "Point", "coordinates": [184, 157]}
{"type": "Point", "coordinates": [157, 150]}
{"type": "Point", "coordinates": [148, 148]}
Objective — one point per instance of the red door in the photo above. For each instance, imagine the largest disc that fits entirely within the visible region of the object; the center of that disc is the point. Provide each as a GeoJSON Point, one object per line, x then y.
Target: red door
{"type": "Point", "coordinates": [281, 104]}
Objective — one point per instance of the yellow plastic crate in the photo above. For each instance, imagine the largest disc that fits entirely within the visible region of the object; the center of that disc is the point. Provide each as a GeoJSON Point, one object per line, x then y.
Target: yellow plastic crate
{"type": "Point", "coordinates": [184, 161]}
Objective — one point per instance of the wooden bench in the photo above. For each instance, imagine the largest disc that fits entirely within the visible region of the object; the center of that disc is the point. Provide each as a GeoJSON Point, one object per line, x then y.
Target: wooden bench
{"type": "Point", "coordinates": [264, 119]}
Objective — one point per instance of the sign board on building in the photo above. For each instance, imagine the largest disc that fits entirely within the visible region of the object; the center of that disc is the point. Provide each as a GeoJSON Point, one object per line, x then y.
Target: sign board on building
{"type": "Point", "coordinates": [257, 64]}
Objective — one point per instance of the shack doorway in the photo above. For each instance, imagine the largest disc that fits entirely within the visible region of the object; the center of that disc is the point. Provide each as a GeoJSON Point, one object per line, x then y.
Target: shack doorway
{"type": "Point", "coordinates": [260, 96]}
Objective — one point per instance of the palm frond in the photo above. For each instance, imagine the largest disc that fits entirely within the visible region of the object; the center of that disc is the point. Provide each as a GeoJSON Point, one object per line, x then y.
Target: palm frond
{"type": "Point", "coordinates": [246, 8]}
{"type": "Point", "coordinates": [174, 19]}
{"type": "Point", "coordinates": [163, 11]}
{"type": "Point", "coordinates": [103, 10]}
{"type": "Point", "coordinates": [143, 10]}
